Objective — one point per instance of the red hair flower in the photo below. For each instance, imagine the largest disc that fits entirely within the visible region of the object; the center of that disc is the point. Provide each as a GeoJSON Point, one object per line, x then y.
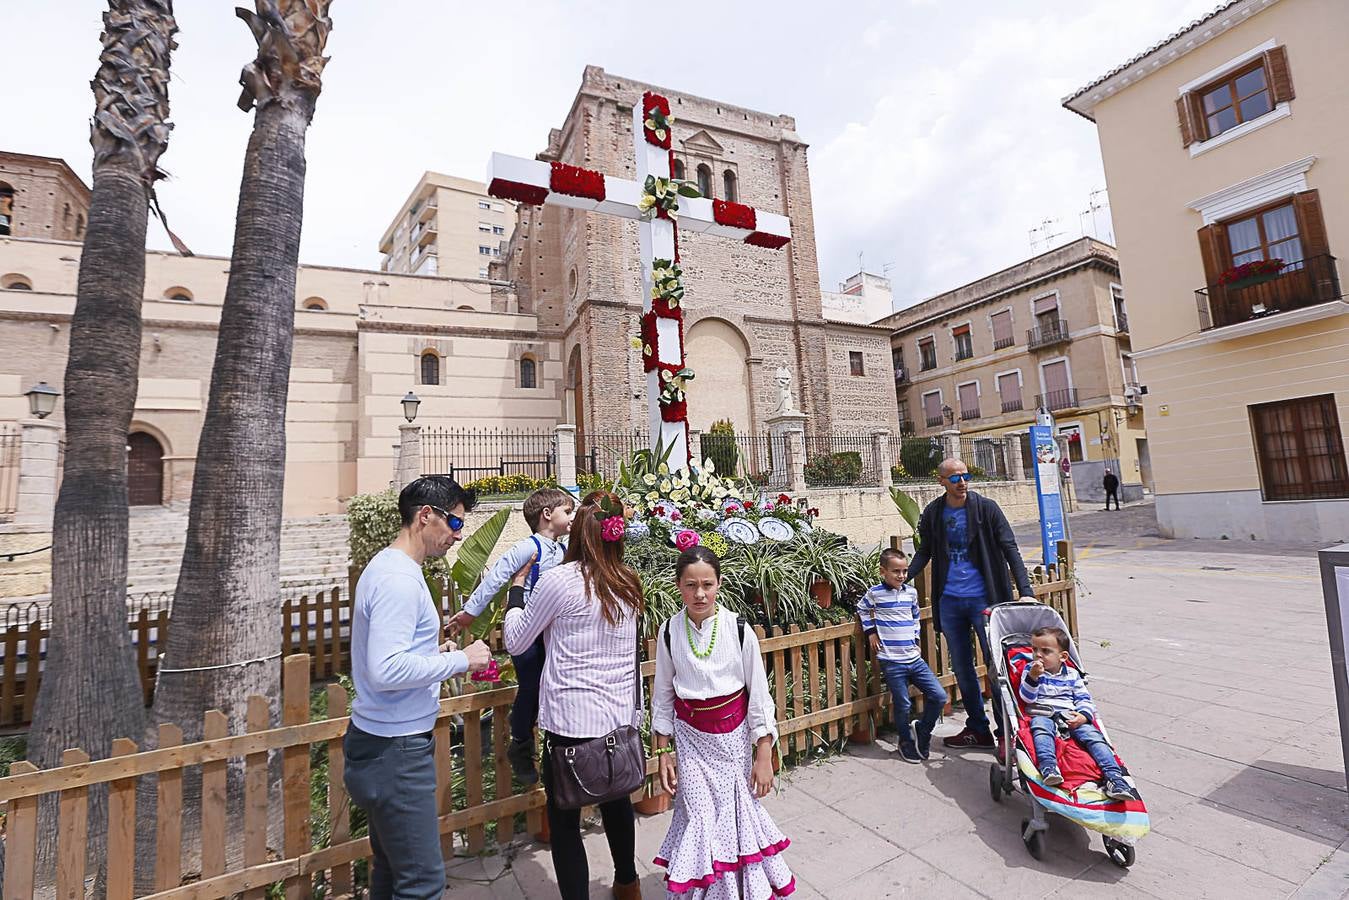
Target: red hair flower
{"type": "Point", "coordinates": [612, 529]}
{"type": "Point", "coordinates": [686, 539]}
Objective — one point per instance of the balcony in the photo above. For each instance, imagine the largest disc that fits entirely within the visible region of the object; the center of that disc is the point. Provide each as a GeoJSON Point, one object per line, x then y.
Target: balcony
{"type": "Point", "coordinates": [427, 211]}
{"type": "Point", "coordinates": [934, 421]}
{"type": "Point", "coordinates": [1309, 282]}
{"type": "Point", "coordinates": [968, 414]}
{"type": "Point", "coordinates": [1012, 405]}
{"type": "Point", "coordinates": [1003, 343]}
{"type": "Point", "coordinates": [1053, 332]}
{"type": "Point", "coordinates": [425, 236]}
{"type": "Point", "coordinates": [901, 377]}
{"type": "Point", "coordinates": [1057, 400]}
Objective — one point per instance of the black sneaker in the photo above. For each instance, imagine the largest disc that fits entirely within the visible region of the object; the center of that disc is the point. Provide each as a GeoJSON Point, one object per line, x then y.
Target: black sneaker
{"type": "Point", "coordinates": [1118, 789]}
{"type": "Point", "coordinates": [909, 752]}
{"type": "Point", "coordinates": [923, 739]}
{"type": "Point", "coordinates": [1051, 776]}
{"type": "Point", "coordinates": [520, 754]}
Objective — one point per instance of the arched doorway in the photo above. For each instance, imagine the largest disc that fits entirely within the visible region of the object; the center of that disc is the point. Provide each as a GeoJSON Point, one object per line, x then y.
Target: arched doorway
{"type": "Point", "coordinates": [575, 402]}
{"type": "Point", "coordinates": [718, 354]}
{"type": "Point", "coordinates": [145, 470]}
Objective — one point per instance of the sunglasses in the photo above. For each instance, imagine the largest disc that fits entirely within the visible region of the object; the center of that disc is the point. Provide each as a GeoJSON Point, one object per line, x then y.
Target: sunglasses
{"type": "Point", "coordinates": [455, 523]}
{"type": "Point", "coordinates": [959, 477]}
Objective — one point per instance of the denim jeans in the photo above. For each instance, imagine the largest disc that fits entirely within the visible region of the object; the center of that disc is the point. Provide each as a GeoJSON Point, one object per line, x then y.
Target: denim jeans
{"type": "Point", "coordinates": [958, 616]}
{"type": "Point", "coordinates": [898, 676]}
{"type": "Point", "coordinates": [1043, 729]}
{"type": "Point", "coordinates": [525, 709]}
{"type": "Point", "coordinates": [394, 781]}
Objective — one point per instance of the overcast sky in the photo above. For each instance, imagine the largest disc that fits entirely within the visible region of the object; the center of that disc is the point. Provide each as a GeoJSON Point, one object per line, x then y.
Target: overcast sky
{"type": "Point", "coordinates": [937, 141]}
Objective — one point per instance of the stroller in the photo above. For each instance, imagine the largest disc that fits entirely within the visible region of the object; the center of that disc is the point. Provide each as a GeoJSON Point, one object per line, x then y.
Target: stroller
{"type": "Point", "coordinates": [1080, 797]}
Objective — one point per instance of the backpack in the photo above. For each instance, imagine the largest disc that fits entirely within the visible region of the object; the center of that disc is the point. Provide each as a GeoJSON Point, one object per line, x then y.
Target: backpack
{"type": "Point", "coordinates": [534, 569]}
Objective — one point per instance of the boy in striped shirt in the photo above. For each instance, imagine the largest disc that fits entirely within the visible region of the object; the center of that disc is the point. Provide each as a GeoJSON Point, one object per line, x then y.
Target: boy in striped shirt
{"type": "Point", "coordinates": [889, 614]}
{"type": "Point", "coordinates": [1054, 693]}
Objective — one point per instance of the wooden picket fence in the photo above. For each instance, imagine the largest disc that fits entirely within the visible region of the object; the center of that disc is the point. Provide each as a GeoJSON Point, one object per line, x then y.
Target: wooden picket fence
{"type": "Point", "coordinates": [825, 686]}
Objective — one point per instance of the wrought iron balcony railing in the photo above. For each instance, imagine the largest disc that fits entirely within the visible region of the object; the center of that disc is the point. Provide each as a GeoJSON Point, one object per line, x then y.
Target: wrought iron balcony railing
{"type": "Point", "coordinates": [1047, 335]}
{"type": "Point", "coordinates": [1308, 282]}
{"type": "Point", "coordinates": [1056, 400]}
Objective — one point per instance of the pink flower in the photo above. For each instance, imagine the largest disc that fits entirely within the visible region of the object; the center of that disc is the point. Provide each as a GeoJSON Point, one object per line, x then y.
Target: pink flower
{"type": "Point", "coordinates": [686, 539]}
{"type": "Point", "coordinates": [612, 529]}
{"type": "Point", "coordinates": [734, 508]}
{"type": "Point", "coordinates": [676, 516]}
{"type": "Point", "coordinates": [492, 673]}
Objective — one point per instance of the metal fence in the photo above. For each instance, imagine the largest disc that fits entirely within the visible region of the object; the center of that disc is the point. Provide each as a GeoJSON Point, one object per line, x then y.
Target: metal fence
{"type": "Point", "coordinates": [468, 454]}
{"type": "Point", "coordinates": [986, 456]}
{"type": "Point", "coordinates": [841, 460]}
{"type": "Point", "coordinates": [600, 453]}
{"type": "Point", "coordinates": [10, 446]}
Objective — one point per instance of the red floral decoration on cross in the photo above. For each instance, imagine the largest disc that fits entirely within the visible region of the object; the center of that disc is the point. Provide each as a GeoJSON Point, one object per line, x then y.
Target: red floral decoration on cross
{"type": "Point", "coordinates": [576, 181]}
{"type": "Point", "coordinates": [770, 241]}
{"type": "Point", "coordinates": [652, 101]}
{"type": "Point", "coordinates": [736, 215]}
{"type": "Point", "coordinates": [529, 194]}
{"type": "Point", "coordinates": [649, 342]}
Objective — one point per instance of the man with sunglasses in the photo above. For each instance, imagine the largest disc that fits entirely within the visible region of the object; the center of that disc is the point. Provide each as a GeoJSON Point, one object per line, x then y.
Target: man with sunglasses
{"type": "Point", "coordinates": [398, 662]}
{"type": "Point", "coordinates": [971, 547]}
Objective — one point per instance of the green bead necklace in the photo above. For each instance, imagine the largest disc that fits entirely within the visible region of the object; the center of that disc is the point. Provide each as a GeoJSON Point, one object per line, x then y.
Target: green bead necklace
{"type": "Point", "coordinates": [693, 646]}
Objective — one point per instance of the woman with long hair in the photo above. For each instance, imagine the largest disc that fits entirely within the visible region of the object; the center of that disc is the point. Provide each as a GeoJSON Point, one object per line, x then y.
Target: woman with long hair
{"type": "Point", "coordinates": [587, 611]}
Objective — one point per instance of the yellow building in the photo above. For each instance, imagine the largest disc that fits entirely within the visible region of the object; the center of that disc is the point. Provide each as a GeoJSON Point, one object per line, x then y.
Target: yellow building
{"type": "Point", "coordinates": [1225, 157]}
{"type": "Point", "coordinates": [1049, 332]}
{"type": "Point", "coordinates": [448, 226]}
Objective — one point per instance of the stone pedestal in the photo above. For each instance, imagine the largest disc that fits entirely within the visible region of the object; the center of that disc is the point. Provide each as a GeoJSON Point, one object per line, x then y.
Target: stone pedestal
{"type": "Point", "coordinates": [39, 455]}
{"type": "Point", "coordinates": [787, 434]}
{"type": "Point", "coordinates": [881, 457]}
{"type": "Point", "coordinates": [1016, 465]}
{"type": "Point", "coordinates": [564, 440]}
{"type": "Point", "coordinates": [409, 466]}
{"type": "Point", "coordinates": [950, 444]}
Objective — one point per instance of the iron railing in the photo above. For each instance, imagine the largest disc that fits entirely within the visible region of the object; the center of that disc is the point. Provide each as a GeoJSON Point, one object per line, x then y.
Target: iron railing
{"type": "Point", "coordinates": [1012, 405]}
{"type": "Point", "coordinates": [1307, 282]}
{"type": "Point", "coordinates": [933, 421]}
{"type": "Point", "coordinates": [1056, 400]}
{"type": "Point", "coordinates": [985, 457]}
{"type": "Point", "coordinates": [840, 460]}
{"type": "Point", "coordinates": [1003, 343]}
{"type": "Point", "coordinates": [468, 454]}
{"type": "Point", "coordinates": [916, 458]}
{"type": "Point", "coordinates": [968, 414]}
{"type": "Point", "coordinates": [1047, 335]}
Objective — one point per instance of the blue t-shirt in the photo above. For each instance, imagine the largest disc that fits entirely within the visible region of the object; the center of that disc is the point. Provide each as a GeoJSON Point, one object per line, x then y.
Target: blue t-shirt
{"type": "Point", "coordinates": [962, 577]}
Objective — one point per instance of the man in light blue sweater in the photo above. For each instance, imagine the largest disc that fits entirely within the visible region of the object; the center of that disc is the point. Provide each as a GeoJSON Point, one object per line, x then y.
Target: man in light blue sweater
{"type": "Point", "coordinates": [398, 662]}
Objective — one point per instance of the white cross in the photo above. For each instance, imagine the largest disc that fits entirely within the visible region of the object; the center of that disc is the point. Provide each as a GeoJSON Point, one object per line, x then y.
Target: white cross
{"type": "Point", "coordinates": [514, 178]}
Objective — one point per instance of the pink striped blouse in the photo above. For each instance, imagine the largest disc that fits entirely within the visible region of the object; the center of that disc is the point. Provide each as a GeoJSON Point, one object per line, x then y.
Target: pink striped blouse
{"type": "Point", "coordinates": [587, 686]}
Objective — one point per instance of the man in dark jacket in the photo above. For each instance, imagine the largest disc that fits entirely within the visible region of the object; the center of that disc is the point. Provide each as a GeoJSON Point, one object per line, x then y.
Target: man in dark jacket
{"type": "Point", "coordinates": [1111, 484]}
{"type": "Point", "coordinates": [967, 539]}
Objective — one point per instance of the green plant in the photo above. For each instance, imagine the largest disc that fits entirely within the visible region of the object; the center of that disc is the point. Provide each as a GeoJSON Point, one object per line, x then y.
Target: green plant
{"type": "Point", "coordinates": [898, 472]}
{"type": "Point", "coordinates": [719, 447]}
{"type": "Point", "coordinates": [516, 483]}
{"type": "Point", "coordinates": [471, 561]}
{"type": "Point", "coordinates": [841, 468]}
{"type": "Point", "coordinates": [909, 510]}
{"type": "Point", "coordinates": [593, 481]}
{"type": "Point", "coordinates": [920, 456]}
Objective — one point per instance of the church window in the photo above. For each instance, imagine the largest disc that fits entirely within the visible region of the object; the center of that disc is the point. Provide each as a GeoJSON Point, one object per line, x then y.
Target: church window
{"type": "Point", "coordinates": [16, 282]}
{"type": "Point", "coordinates": [430, 367]}
{"type": "Point", "coordinates": [677, 170]}
{"type": "Point", "coordinates": [728, 183]}
{"type": "Point", "coordinates": [704, 181]}
{"type": "Point", "coordinates": [179, 294]}
{"type": "Point", "coordinates": [316, 303]}
{"type": "Point", "coordinates": [855, 366]}
{"type": "Point", "coordinates": [6, 208]}
{"type": "Point", "coordinates": [528, 372]}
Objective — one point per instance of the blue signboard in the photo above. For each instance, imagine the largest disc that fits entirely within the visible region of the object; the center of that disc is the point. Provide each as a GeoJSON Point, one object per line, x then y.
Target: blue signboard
{"type": "Point", "coordinates": [1046, 454]}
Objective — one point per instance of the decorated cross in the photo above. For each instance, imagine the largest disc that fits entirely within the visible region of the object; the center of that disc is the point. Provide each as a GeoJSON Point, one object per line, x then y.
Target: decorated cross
{"type": "Point", "coordinates": [659, 203]}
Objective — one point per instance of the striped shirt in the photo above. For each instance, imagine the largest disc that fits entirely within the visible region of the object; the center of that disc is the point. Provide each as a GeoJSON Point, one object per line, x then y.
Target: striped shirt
{"type": "Point", "coordinates": [892, 613]}
{"type": "Point", "coordinates": [1062, 691]}
{"type": "Point", "coordinates": [587, 687]}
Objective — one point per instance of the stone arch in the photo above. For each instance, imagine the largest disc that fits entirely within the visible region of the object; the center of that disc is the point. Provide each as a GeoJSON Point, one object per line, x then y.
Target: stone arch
{"type": "Point", "coordinates": [179, 293]}
{"type": "Point", "coordinates": [574, 398]}
{"type": "Point", "coordinates": [705, 179]}
{"type": "Point", "coordinates": [718, 352]}
{"type": "Point", "coordinates": [315, 303]}
{"type": "Point", "coordinates": [13, 281]}
{"type": "Point", "coordinates": [730, 187]}
{"type": "Point", "coordinates": [145, 467]}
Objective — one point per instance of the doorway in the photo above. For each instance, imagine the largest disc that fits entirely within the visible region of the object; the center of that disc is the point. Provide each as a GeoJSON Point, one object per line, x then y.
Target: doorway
{"type": "Point", "coordinates": [145, 470]}
{"type": "Point", "coordinates": [1144, 464]}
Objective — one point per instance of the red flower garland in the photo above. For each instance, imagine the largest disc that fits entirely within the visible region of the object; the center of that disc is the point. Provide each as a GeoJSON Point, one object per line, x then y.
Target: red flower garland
{"type": "Point", "coordinates": [763, 239]}
{"type": "Point", "coordinates": [676, 243]}
{"type": "Point", "coordinates": [661, 307]}
{"type": "Point", "coordinates": [736, 215]}
{"type": "Point", "coordinates": [649, 339]}
{"type": "Point", "coordinates": [576, 181]}
{"type": "Point", "coordinates": [649, 100]}
{"type": "Point", "coordinates": [529, 194]}
{"type": "Point", "coordinates": [674, 412]}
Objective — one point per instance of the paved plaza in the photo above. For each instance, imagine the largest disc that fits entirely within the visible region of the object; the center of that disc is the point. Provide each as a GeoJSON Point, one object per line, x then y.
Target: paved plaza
{"type": "Point", "coordinates": [1210, 664]}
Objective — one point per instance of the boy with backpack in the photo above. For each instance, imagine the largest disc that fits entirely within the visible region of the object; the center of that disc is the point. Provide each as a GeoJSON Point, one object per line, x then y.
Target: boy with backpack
{"type": "Point", "coordinates": [549, 513]}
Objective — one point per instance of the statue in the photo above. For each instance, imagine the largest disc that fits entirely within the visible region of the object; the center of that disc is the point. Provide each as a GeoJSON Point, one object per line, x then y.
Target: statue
{"type": "Point", "coordinates": [783, 377]}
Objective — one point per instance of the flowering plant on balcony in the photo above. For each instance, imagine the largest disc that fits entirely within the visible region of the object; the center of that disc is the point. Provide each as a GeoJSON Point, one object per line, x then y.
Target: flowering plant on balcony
{"type": "Point", "coordinates": [1251, 272]}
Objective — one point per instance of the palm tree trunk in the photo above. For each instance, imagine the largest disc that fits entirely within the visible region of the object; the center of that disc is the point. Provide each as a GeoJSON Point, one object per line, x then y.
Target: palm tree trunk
{"type": "Point", "coordinates": [91, 691]}
{"type": "Point", "coordinates": [226, 637]}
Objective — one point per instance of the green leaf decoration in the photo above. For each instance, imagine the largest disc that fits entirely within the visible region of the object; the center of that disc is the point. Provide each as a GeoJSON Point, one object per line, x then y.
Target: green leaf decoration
{"type": "Point", "coordinates": [471, 560]}
{"type": "Point", "coordinates": [689, 189]}
{"type": "Point", "coordinates": [908, 509]}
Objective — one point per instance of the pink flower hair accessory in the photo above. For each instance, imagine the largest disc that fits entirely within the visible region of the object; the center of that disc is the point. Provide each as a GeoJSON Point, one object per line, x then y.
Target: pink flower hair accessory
{"type": "Point", "coordinates": [686, 539]}
{"type": "Point", "coordinates": [612, 528]}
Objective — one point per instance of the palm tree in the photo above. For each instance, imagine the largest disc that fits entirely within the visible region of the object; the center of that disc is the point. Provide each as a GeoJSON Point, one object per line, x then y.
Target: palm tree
{"type": "Point", "coordinates": [91, 690]}
{"type": "Point", "coordinates": [226, 635]}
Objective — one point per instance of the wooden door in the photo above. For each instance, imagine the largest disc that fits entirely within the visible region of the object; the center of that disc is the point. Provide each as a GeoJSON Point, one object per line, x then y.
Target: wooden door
{"type": "Point", "coordinates": [145, 470]}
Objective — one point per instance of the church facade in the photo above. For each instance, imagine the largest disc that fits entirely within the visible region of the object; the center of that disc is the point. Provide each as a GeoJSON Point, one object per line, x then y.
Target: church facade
{"type": "Point", "coordinates": [545, 339]}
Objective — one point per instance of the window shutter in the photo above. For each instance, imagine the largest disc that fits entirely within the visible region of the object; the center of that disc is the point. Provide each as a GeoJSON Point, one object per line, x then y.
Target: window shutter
{"type": "Point", "coordinates": [1310, 224]}
{"type": "Point", "coordinates": [1213, 250]}
{"type": "Point", "coordinates": [1047, 304]}
{"type": "Point", "coordinates": [1189, 125]}
{"type": "Point", "coordinates": [1002, 325]}
{"type": "Point", "coordinates": [1280, 79]}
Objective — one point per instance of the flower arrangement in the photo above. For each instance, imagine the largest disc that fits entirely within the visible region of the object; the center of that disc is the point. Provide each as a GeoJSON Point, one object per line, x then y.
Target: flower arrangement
{"type": "Point", "coordinates": [657, 127]}
{"type": "Point", "coordinates": [491, 674]}
{"type": "Point", "coordinates": [1256, 269]}
{"type": "Point", "coordinates": [660, 196]}
{"type": "Point", "coordinates": [667, 287]}
{"type": "Point", "coordinates": [576, 181]}
{"type": "Point", "coordinates": [673, 399]}
{"type": "Point", "coordinates": [736, 215]}
{"type": "Point", "coordinates": [528, 194]}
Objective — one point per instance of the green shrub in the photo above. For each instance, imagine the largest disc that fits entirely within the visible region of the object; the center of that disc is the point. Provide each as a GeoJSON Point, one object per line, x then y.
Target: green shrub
{"type": "Point", "coordinates": [835, 469]}
{"type": "Point", "coordinates": [374, 523]}
{"type": "Point", "coordinates": [920, 457]}
{"type": "Point", "coordinates": [517, 483]}
{"type": "Point", "coordinates": [718, 447]}
{"type": "Point", "coordinates": [594, 481]}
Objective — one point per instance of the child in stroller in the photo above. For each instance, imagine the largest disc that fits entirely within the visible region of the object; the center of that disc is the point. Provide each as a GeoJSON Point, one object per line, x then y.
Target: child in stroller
{"type": "Point", "coordinates": [1081, 792]}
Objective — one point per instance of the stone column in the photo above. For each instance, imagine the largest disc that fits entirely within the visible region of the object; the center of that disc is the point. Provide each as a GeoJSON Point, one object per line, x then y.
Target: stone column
{"type": "Point", "coordinates": [38, 456]}
{"type": "Point", "coordinates": [1016, 466]}
{"type": "Point", "coordinates": [564, 439]}
{"type": "Point", "coordinates": [950, 443]}
{"type": "Point", "coordinates": [787, 434]}
{"type": "Point", "coordinates": [881, 456]}
{"type": "Point", "coordinates": [409, 466]}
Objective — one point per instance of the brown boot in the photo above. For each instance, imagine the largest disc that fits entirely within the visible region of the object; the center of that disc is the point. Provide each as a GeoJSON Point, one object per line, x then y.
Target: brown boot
{"type": "Point", "coordinates": [630, 891]}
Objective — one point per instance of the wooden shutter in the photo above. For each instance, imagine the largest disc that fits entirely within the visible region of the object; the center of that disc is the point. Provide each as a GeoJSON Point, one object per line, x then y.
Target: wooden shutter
{"type": "Point", "coordinates": [1002, 325]}
{"type": "Point", "coordinates": [1056, 377]}
{"type": "Point", "coordinates": [1280, 79]}
{"type": "Point", "coordinates": [1310, 224]}
{"type": "Point", "coordinates": [1191, 126]}
{"type": "Point", "coordinates": [1047, 304]}
{"type": "Point", "coordinates": [1215, 253]}
{"type": "Point", "coordinates": [1009, 387]}
{"type": "Point", "coordinates": [969, 398]}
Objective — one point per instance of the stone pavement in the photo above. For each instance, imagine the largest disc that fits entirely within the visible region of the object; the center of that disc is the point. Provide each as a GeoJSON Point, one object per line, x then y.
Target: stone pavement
{"type": "Point", "coordinates": [1210, 663]}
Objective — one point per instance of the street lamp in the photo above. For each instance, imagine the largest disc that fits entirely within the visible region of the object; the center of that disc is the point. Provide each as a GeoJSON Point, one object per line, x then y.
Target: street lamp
{"type": "Point", "coordinates": [42, 399]}
{"type": "Point", "coordinates": [410, 404]}
{"type": "Point", "coordinates": [948, 414]}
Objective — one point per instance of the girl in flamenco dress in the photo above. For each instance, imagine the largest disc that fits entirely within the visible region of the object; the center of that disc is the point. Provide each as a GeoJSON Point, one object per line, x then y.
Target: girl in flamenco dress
{"type": "Point", "coordinates": [714, 726]}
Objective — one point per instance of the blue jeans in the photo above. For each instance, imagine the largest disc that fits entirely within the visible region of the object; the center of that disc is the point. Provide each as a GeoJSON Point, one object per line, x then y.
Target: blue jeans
{"type": "Point", "coordinates": [958, 616]}
{"type": "Point", "coordinates": [525, 709]}
{"type": "Point", "coordinates": [1043, 729]}
{"type": "Point", "coordinates": [898, 676]}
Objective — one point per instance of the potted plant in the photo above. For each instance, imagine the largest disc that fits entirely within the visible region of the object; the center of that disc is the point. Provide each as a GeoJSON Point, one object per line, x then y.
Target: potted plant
{"type": "Point", "coordinates": [654, 799]}
{"type": "Point", "coordinates": [1251, 273]}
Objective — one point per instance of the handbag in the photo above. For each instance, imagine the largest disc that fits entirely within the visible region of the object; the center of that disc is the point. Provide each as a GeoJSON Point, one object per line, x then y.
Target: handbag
{"type": "Point", "coordinates": [603, 768]}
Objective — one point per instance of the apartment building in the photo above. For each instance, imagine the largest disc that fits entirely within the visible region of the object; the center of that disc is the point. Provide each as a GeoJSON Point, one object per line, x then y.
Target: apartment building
{"type": "Point", "coordinates": [1224, 149]}
{"type": "Point", "coordinates": [1051, 332]}
{"type": "Point", "coordinates": [448, 226]}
